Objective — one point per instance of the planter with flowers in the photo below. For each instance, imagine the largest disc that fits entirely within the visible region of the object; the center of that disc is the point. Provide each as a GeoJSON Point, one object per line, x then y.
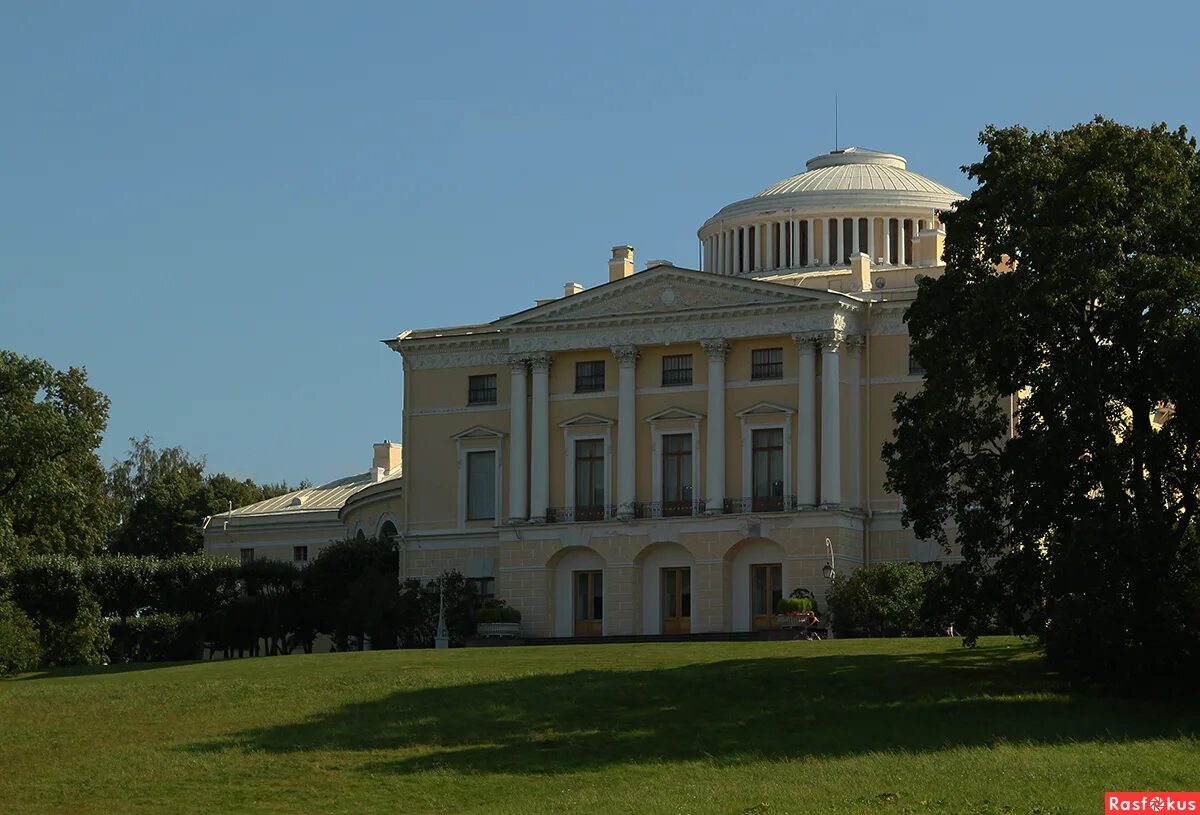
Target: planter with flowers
{"type": "Point", "coordinates": [796, 612]}
{"type": "Point", "coordinates": [499, 621]}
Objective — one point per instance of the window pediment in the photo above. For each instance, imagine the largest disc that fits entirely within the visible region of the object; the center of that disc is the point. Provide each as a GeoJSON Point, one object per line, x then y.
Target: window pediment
{"type": "Point", "coordinates": [587, 420]}
{"type": "Point", "coordinates": [675, 414]}
{"type": "Point", "coordinates": [764, 409]}
{"type": "Point", "coordinates": [478, 432]}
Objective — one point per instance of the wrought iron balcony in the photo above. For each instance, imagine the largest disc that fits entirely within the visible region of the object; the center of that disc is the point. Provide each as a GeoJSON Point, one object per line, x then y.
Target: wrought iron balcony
{"type": "Point", "coordinates": [567, 515]}
{"type": "Point", "coordinates": [668, 509]}
{"type": "Point", "coordinates": [762, 503]}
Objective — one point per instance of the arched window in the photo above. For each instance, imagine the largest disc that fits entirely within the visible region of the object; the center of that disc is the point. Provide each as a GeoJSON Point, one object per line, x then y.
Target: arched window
{"type": "Point", "coordinates": [360, 535]}
{"type": "Point", "coordinates": [387, 532]}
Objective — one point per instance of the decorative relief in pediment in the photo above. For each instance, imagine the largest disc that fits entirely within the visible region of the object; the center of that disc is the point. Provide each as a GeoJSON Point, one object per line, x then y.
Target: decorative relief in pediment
{"type": "Point", "coordinates": [661, 296]}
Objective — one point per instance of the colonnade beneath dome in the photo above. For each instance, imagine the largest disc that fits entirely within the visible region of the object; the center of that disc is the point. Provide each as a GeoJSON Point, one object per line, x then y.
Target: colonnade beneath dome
{"type": "Point", "coordinates": [797, 243]}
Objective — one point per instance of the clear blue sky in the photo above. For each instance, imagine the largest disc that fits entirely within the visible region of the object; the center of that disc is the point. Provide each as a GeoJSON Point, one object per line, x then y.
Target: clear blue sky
{"type": "Point", "coordinates": [220, 208]}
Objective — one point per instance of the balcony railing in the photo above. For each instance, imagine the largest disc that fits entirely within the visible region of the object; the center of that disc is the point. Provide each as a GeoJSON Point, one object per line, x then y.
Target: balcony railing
{"type": "Point", "coordinates": [567, 515]}
{"type": "Point", "coordinates": [668, 509]}
{"type": "Point", "coordinates": [762, 503]}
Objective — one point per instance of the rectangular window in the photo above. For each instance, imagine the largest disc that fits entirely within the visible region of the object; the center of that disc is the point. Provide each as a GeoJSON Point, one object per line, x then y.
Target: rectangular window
{"type": "Point", "coordinates": [481, 390]}
{"type": "Point", "coordinates": [766, 363]}
{"type": "Point", "coordinates": [589, 376]}
{"type": "Point", "coordinates": [589, 479]}
{"type": "Point", "coordinates": [914, 368]}
{"type": "Point", "coordinates": [677, 474]}
{"type": "Point", "coordinates": [831, 244]}
{"type": "Point", "coordinates": [300, 554]}
{"type": "Point", "coordinates": [247, 555]}
{"type": "Point", "coordinates": [484, 588]}
{"type": "Point", "coordinates": [847, 239]}
{"type": "Point", "coordinates": [768, 469]}
{"type": "Point", "coordinates": [677, 370]}
{"type": "Point", "coordinates": [481, 485]}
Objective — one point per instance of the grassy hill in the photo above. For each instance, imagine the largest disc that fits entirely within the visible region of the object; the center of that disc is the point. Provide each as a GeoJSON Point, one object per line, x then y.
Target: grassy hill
{"type": "Point", "coordinates": [866, 726]}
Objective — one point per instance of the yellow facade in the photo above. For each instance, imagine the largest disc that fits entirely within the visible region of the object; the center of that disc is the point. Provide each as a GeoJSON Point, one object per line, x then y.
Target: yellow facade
{"type": "Point", "coordinates": [562, 456]}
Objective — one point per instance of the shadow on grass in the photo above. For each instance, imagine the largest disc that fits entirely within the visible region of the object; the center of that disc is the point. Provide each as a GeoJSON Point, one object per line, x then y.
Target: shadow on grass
{"type": "Point", "coordinates": [731, 711]}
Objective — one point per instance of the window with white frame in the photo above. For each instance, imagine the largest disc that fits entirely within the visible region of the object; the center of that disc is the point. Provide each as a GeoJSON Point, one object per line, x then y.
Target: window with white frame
{"type": "Point", "coordinates": [589, 479]}
{"type": "Point", "coordinates": [481, 485]}
{"type": "Point", "coordinates": [768, 463]}
{"type": "Point", "coordinates": [677, 487]}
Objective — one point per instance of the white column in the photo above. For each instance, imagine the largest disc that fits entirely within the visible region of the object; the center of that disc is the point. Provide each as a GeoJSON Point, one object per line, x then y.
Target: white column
{"type": "Point", "coordinates": [855, 243]}
{"type": "Point", "coordinates": [831, 420]}
{"type": "Point", "coordinates": [854, 347]}
{"type": "Point", "coordinates": [887, 240]}
{"type": "Point", "coordinates": [795, 244]}
{"type": "Point", "coordinates": [835, 242]}
{"type": "Point", "coordinates": [781, 247]}
{"type": "Point", "coordinates": [539, 479]}
{"type": "Point", "coordinates": [518, 450]}
{"type": "Point", "coordinates": [722, 251]}
{"type": "Point", "coordinates": [627, 356]}
{"type": "Point", "coordinates": [871, 238]}
{"type": "Point", "coordinates": [714, 481]}
{"type": "Point", "coordinates": [737, 250]}
{"type": "Point", "coordinates": [812, 245]}
{"type": "Point", "coordinates": [806, 429]}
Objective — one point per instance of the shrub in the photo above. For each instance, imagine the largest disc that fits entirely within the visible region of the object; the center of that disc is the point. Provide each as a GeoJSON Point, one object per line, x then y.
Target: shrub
{"type": "Point", "coordinates": [508, 614]}
{"type": "Point", "coordinates": [162, 637]}
{"type": "Point", "coordinates": [491, 615]}
{"type": "Point", "coordinates": [51, 590]}
{"type": "Point", "coordinates": [19, 647]}
{"type": "Point", "coordinates": [882, 600]}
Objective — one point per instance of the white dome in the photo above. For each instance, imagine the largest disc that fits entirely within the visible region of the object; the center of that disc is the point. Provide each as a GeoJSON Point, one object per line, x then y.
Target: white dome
{"type": "Point", "coordinates": [849, 179]}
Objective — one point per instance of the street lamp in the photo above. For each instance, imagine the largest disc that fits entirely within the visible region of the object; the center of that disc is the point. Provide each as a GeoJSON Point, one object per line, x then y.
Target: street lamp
{"type": "Point", "coordinates": [829, 572]}
{"type": "Point", "coordinates": [442, 638]}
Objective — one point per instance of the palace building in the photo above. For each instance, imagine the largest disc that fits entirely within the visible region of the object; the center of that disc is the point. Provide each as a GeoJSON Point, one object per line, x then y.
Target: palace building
{"type": "Point", "coordinates": [668, 451]}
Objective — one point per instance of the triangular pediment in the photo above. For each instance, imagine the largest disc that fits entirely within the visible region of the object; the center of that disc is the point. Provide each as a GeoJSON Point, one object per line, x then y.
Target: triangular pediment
{"type": "Point", "coordinates": [586, 420]}
{"type": "Point", "coordinates": [674, 414]}
{"type": "Point", "coordinates": [478, 432]}
{"type": "Point", "coordinates": [764, 409]}
{"type": "Point", "coordinates": [663, 289]}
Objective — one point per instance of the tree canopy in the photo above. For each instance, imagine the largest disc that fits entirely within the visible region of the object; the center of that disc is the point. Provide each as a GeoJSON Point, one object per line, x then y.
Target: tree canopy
{"type": "Point", "coordinates": [52, 495]}
{"type": "Point", "coordinates": [161, 496]}
{"type": "Point", "coordinates": [1057, 436]}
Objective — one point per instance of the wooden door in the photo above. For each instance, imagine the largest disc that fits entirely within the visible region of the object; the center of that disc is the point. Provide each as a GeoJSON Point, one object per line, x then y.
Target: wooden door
{"type": "Point", "coordinates": [676, 601]}
{"type": "Point", "coordinates": [589, 604]}
{"type": "Point", "coordinates": [766, 587]}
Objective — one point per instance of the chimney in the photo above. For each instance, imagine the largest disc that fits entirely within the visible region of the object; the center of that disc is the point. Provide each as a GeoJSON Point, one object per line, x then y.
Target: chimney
{"type": "Point", "coordinates": [621, 264]}
{"type": "Point", "coordinates": [860, 272]}
{"type": "Point", "coordinates": [572, 288]}
{"type": "Point", "coordinates": [386, 460]}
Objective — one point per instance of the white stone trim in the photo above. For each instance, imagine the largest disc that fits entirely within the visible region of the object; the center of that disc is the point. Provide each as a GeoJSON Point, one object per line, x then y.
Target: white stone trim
{"type": "Point", "coordinates": [460, 452]}
{"type": "Point", "coordinates": [575, 430]}
{"type": "Point", "coordinates": [765, 416]}
{"type": "Point", "coordinates": [673, 421]}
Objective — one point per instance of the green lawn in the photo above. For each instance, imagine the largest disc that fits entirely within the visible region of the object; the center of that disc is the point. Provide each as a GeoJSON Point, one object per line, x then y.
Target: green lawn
{"type": "Point", "coordinates": [848, 726]}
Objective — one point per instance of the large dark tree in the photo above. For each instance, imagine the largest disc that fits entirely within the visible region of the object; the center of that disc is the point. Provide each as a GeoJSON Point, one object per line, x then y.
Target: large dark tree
{"type": "Point", "coordinates": [52, 497]}
{"type": "Point", "coordinates": [1085, 507]}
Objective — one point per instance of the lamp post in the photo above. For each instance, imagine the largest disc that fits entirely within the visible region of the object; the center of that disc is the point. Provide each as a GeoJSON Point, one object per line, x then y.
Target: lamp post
{"type": "Point", "coordinates": [829, 572]}
{"type": "Point", "coordinates": [442, 638]}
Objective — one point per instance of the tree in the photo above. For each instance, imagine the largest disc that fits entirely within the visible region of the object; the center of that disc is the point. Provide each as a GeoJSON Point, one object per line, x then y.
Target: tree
{"type": "Point", "coordinates": [161, 497]}
{"type": "Point", "coordinates": [52, 496]}
{"type": "Point", "coordinates": [1072, 294]}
